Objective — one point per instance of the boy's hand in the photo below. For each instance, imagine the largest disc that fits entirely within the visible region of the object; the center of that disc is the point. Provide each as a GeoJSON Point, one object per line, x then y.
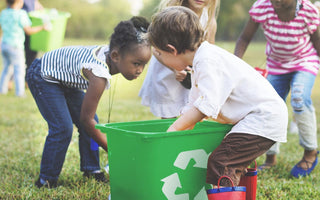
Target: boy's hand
{"type": "Point", "coordinates": [187, 120]}
{"type": "Point", "coordinates": [172, 128]}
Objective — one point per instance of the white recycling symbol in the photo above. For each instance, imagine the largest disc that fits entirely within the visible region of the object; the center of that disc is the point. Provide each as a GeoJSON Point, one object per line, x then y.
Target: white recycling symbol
{"type": "Point", "coordinates": [172, 182]}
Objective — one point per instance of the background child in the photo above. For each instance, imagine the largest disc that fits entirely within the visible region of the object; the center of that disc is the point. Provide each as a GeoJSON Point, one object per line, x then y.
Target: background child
{"type": "Point", "coordinates": [293, 46]}
{"type": "Point", "coordinates": [28, 6]}
{"type": "Point", "coordinates": [162, 90]}
{"type": "Point", "coordinates": [224, 88]}
{"type": "Point", "coordinates": [57, 81]}
{"type": "Point", "coordinates": [14, 24]}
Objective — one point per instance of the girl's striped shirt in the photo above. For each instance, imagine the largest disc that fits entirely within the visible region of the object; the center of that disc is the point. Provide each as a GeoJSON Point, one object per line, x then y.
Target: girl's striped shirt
{"type": "Point", "coordinates": [289, 47]}
{"type": "Point", "coordinates": [64, 65]}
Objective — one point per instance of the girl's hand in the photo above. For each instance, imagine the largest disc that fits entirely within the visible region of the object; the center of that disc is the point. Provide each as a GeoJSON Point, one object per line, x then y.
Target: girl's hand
{"type": "Point", "coordinates": [181, 75]}
{"type": "Point", "coordinates": [89, 107]}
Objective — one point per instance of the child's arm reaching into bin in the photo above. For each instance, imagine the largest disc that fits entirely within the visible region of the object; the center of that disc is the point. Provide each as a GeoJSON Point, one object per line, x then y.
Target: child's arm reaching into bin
{"type": "Point", "coordinates": [188, 120]}
{"type": "Point", "coordinates": [89, 107]}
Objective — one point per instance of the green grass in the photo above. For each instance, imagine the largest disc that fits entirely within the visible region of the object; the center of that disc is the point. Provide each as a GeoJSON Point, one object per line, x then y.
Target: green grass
{"type": "Point", "coordinates": [23, 131]}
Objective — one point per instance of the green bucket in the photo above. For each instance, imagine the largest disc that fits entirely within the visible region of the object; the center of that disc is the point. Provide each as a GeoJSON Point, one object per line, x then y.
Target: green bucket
{"type": "Point", "coordinates": [146, 162]}
{"type": "Point", "coordinates": [48, 40]}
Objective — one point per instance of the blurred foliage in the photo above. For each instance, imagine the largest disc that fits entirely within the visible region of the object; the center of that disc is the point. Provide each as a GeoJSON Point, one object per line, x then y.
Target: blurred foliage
{"type": "Point", "coordinates": [149, 8]}
{"type": "Point", "coordinates": [91, 20]}
{"type": "Point", "coordinates": [232, 17]}
{"type": "Point", "coordinates": [96, 21]}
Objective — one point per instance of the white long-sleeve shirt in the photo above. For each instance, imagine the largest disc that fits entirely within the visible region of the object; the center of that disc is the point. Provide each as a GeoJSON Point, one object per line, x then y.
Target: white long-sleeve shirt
{"type": "Point", "coordinates": [229, 90]}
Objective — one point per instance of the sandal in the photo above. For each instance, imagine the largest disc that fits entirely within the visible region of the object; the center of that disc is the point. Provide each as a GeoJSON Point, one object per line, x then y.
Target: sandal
{"type": "Point", "coordinates": [299, 171]}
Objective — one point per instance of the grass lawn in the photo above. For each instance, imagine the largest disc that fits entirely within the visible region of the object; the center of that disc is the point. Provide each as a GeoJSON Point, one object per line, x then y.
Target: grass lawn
{"type": "Point", "coordinates": [23, 131]}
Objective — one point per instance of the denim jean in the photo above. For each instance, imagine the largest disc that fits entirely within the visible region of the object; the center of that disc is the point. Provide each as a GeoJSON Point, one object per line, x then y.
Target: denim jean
{"type": "Point", "coordinates": [300, 83]}
{"type": "Point", "coordinates": [60, 107]}
{"type": "Point", "coordinates": [12, 56]}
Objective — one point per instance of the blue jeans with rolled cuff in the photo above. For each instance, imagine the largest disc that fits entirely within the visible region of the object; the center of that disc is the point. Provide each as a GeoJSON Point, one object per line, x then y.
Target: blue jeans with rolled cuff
{"type": "Point", "coordinates": [300, 83]}
{"type": "Point", "coordinates": [60, 106]}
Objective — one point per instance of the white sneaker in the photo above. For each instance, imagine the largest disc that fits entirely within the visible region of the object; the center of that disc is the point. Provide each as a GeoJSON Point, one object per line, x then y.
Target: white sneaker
{"type": "Point", "coordinates": [106, 168]}
{"type": "Point", "coordinates": [109, 198]}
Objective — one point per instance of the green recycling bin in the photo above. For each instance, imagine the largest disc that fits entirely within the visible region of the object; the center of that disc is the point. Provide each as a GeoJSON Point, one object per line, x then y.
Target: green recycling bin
{"type": "Point", "coordinates": [146, 162]}
{"type": "Point", "coordinates": [52, 39]}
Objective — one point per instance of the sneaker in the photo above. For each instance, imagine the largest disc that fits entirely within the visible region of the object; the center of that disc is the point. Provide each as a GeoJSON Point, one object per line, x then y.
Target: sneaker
{"type": "Point", "coordinates": [106, 168]}
{"type": "Point", "coordinates": [47, 184]}
{"type": "Point", "coordinates": [100, 177]}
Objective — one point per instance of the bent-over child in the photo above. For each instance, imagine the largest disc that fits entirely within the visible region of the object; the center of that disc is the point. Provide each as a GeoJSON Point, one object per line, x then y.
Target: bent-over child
{"type": "Point", "coordinates": [57, 81]}
{"type": "Point", "coordinates": [224, 88]}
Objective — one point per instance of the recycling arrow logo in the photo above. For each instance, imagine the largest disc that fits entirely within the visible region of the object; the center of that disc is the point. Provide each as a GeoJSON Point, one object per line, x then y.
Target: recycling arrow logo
{"type": "Point", "coordinates": [172, 182]}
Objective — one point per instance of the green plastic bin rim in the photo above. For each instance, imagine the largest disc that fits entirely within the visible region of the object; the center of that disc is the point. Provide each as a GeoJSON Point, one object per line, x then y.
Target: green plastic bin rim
{"type": "Point", "coordinates": [46, 11]}
{"type": "Point", "coordinates": [207, 128]}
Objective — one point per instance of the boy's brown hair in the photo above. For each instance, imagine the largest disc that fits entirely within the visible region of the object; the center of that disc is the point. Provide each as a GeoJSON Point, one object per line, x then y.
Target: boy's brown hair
{"type": "Point", "coordinates": [178, 26]}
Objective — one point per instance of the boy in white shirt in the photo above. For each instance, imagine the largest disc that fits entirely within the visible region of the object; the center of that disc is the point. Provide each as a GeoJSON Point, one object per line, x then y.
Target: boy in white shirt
{"type": "Point", "coordinates": [224, 88]}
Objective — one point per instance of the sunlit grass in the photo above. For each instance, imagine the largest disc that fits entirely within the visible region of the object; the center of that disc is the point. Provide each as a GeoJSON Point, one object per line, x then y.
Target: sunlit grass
{"type": "Point", "coordinates": [23, 131]}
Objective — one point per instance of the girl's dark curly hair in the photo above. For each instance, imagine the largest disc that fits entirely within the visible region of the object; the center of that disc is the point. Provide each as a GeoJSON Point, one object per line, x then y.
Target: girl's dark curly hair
{"type": "Point", "coordinates": [129, 32]}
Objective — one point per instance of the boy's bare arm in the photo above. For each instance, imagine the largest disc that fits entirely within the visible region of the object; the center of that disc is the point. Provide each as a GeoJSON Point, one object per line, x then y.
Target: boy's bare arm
{"type": "Point", "coordinates": [187, 120]}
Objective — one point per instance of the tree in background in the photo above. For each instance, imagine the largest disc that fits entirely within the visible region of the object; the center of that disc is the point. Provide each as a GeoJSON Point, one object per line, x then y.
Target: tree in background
{"type": "Point", "coordinates": [232, 17]}
{"type": "Point", "coordinates": [149, 8]}
{"type": "Point", "coordinates": [92, 20]}
{"type": "Point", "coordinates": [88, 20]}
{"type": "Point", "coordinates": [97, 20]}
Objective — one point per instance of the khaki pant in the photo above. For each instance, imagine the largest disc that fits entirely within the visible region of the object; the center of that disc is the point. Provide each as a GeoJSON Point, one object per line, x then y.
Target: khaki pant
{"type": "Point", "coordinates": [232, 157]}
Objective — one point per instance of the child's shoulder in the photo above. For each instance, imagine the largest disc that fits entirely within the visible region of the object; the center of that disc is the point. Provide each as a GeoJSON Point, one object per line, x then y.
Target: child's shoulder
{"type": "Point", "coordinates": [261, 7]}
{"type": "Point", "coordinates": [12, 13]}
{"type": "Point", "coordinates": [309, 13]}
{"type": "Point", "coordinates": [262, 4]}
{"type": "Point", "coordinates": [9, 12]}
{"type": "Point", "coordinates": [22, 12]}
{"type": "Point", "coordinates": [308, 6]}
{"type": "Point", "coordinates": [207, 47]}
{"type": "Point", "coordinates": [210, 53]}
{"type": "Point", "coordinates": [261, 10]}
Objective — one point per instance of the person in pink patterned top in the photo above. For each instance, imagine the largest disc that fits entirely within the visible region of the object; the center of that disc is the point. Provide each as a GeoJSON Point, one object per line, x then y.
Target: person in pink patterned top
{"type": "Point", "coordinates": [293, 48]}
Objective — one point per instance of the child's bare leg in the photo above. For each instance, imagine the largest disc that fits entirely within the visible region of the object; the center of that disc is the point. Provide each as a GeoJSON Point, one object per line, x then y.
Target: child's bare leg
{"type": "Point", "coordinates": [271, 160]}
{"type": "Point", "coordinates": [271, 157]}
